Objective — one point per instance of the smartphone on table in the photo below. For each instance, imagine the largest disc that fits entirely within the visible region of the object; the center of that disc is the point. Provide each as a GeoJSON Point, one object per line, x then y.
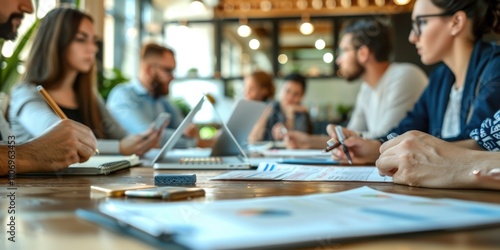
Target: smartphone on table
{"type": "Point", "coordinates": [117, 190]}
{"type": "Point", "coordinates": [167, 193]}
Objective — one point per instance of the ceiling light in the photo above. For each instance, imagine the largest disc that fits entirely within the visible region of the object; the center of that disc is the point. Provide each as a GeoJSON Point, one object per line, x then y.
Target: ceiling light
{"type": "Point", "coordinates": [401, 2]}
{"type": "Point", "coordinates": [320, 44]}
{"type": "Point", "coordinates": [282, 59]}
{"type": "Point", "coordinates": [244, 30]}
{"type": "Point", "coordinates": [254, 44]}
{"type": "Point", "coordinates": [197, 6]}
{"type": "Point", "coordinates": [328, 57]}
{"type": "Point", "coordinates": [306, 28]}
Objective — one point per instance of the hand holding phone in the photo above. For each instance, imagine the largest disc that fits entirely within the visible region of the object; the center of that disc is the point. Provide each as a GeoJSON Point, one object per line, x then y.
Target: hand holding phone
{"type": "Point", "coordinates": [161, 121]}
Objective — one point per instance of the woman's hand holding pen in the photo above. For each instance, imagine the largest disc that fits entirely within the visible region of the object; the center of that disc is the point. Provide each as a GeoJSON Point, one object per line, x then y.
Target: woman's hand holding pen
{"type": "Point", "coordinates": [361, 151]}
{"type": "Point", "coordinates": [139, 144]}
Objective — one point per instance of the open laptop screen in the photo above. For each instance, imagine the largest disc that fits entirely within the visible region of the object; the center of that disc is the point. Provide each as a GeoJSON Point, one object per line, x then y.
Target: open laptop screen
{"type": "Point", "coordinates": [179, 131]}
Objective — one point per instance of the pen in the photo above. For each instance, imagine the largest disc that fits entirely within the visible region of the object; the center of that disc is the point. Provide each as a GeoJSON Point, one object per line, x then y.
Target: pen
{"type": "Point", "coordinates": [331, 146]}
{"type": "Point", "coordinates": [54, 105]}
{"type": "Point", "coordinates": [341, 137]}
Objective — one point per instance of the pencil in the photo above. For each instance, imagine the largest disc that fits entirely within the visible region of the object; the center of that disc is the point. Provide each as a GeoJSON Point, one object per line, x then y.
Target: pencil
{"type": "Point", "coordinates": [54, 105]}
{"type": "Point", "coordinates": [51, 102]}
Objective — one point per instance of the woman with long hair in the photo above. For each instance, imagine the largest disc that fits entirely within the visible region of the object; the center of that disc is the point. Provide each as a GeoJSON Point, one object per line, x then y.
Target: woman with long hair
{"type": "Point", "coordinates": [62, 60]}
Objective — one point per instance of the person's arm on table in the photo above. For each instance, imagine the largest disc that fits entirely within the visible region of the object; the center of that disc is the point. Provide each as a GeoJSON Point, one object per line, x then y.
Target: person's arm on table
{"type": "Point", "coordinates": [419, 159]}
{"type": "Point", "coordinates": [65, 143]}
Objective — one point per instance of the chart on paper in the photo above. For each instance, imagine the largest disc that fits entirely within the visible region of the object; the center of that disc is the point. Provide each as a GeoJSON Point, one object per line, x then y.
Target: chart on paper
{"type": "Point", "coordinates": [293, 172]}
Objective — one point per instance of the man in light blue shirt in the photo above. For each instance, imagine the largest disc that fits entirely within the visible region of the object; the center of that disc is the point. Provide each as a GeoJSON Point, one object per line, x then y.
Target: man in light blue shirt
{"type": "Point", "coordinates": [138, 103]}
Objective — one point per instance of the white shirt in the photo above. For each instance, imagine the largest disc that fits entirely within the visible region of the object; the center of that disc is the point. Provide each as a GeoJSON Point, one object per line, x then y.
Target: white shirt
{"type": "Point", "coordinates": [451, 122]}
{"type": "Point", "coordinates": [381, 108]}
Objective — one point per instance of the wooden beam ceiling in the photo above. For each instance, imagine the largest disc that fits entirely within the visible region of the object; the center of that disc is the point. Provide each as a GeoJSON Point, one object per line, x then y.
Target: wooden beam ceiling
{"type": "Point", "coordinates": [293, 8]}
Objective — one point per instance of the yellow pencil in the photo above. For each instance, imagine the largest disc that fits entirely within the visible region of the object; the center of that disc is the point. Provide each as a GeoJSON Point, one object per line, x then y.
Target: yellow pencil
{"type": "Point", "coordinates": [54, 105]}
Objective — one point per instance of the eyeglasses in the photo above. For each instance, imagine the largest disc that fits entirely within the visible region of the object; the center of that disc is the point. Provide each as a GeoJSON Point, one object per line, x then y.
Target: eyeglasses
{"type": "Point", "coordinates": [167, 70]}
{"type": "Point", "coordinates": [416, 26]}
{"type": "Point", "coordinates": [342, 51]}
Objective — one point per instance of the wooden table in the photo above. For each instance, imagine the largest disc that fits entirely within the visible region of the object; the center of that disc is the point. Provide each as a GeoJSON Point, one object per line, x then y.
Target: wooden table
{"type": "Point", "coordinates": [45, 211]}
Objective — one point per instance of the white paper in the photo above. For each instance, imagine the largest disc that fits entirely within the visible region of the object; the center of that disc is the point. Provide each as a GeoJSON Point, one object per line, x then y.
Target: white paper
{"type": "Point", "coordinates": [294, 153]}
{"type": "Point", "coordinates": [319, 218]}
{"type": "Point", "coordinates": [98, 160]}
{"type": "Point", "coordinates": [294, 172]}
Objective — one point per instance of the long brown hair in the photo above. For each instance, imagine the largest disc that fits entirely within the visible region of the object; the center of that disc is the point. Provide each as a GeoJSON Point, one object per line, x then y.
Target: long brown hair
{"type": "Point", "coordinates": [47, 60]}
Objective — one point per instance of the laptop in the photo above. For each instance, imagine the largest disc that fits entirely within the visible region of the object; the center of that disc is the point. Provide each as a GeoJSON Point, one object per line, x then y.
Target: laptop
{"type": "Point", "coordinates": [243, 117]}
{"type": "Point", "coordinates": [227, 152]}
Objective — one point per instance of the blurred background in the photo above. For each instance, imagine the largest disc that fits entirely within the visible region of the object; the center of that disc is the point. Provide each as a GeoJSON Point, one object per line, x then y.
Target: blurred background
{"type": "Point", "coordinates": [218, 42]}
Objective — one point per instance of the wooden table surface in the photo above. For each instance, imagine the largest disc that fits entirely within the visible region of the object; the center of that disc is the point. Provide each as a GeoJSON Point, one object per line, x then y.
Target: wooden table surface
{"type": "Point", "coordinates": [45, 211]}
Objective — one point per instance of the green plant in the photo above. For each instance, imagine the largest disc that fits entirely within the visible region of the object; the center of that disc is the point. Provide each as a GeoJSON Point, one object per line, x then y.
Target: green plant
{"type": "Point", "coordinates": [108, 79]}
{"type": "Point", "coordinates": [192, 72]}
{"type": "Point", "coordinates": [343, 110]}
{"type": "Point", "coordinates": [10, 74]}
{"type": "Point", "coordinates": [182, 105]}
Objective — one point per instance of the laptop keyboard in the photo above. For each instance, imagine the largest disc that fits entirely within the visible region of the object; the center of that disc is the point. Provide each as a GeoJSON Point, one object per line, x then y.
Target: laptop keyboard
{"type": "Point", "coordinates": [201, 160]}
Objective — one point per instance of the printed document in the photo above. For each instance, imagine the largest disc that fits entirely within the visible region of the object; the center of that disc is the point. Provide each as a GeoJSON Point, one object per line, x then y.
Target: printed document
{"type": "Point", "coordinates": [316, 220]}
{"type": "Point", "coordinates": [293, 172]}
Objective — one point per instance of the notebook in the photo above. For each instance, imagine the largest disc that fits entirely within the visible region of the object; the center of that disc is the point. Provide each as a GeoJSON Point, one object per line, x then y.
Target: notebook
{"type": "Point", "coordinates": [234, 159]}
{"type": "Point", "coordinates": [97, 165]}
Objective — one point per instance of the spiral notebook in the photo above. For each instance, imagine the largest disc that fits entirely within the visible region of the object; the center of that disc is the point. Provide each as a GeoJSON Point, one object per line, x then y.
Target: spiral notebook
{"type": "Point", "coordinates": [97, 165]}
